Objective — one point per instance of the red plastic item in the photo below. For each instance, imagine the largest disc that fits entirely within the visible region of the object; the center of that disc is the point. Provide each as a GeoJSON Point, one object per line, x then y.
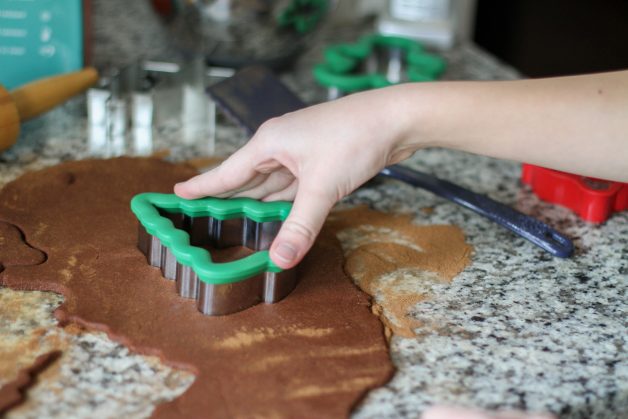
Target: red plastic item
{"type": "Point", "coordinates": [594, 200]}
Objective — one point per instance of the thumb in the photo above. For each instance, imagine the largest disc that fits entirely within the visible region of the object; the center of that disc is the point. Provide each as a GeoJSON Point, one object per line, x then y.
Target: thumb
{"type": "Point", "coordinates": [298, 232]}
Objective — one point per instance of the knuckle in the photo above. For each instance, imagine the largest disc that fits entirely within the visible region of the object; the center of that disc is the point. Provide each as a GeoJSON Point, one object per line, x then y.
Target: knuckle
{"type": "Point", "coordinates": [223, 183]}
{"type": "Point", "coordinates": [300, 228]}
{"type": "Point", "coordinates": [269, 128]}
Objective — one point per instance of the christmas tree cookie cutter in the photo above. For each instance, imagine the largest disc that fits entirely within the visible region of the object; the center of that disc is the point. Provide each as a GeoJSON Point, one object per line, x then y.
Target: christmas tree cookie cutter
{"type": "Point", "coordinates": [174, 235]}
{"type": "Point", "coordinates": [375, 61]}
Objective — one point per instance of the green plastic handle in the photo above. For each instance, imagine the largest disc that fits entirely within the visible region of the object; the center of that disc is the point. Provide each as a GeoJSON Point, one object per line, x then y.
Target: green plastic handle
{"type": "Point", "coordinates": [146, 207]}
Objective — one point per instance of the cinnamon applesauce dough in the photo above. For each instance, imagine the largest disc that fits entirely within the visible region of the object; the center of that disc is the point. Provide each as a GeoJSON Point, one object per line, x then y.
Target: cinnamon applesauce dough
{"type": "Point", "coordinates": [317, 352]}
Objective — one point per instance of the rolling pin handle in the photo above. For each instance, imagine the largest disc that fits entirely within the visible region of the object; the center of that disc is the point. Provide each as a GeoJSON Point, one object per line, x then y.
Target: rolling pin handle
{"type": "Point", "coordinates": [40, 96]}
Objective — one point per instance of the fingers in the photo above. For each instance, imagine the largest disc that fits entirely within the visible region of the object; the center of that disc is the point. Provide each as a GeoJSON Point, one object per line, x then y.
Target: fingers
{"type": "Point", "coordinates": [305, 221]}
{"type": "Point", "coordinates": [235, 172]}
{"type": "Point", "coordinates": [254, 183]}
{"type": "Point", "coordinates": [286, 194]}
{"type": "Point", "coordinates": [444, 412]}
{"type": "Point", "coordinates": [441, 412]}
{"type": "Point", "coordinates": [275, 182]}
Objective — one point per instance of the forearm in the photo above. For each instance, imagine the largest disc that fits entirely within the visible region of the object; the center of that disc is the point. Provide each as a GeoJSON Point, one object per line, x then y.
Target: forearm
{"type": "Point", "coordinates": [576, 124]}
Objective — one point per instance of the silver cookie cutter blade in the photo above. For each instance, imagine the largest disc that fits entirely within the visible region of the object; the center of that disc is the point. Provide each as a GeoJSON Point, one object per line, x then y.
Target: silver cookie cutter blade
{"type": "Point", "coordinates": [220, 299]}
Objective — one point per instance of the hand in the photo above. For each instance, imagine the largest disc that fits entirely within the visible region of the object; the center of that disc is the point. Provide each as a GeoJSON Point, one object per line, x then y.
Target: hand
{"type": "Point", "coordinates": [314, 156]}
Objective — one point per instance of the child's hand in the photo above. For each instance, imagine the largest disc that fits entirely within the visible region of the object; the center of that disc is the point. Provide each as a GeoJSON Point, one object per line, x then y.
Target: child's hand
{"type": "Point", "coordinates": [315, 157]}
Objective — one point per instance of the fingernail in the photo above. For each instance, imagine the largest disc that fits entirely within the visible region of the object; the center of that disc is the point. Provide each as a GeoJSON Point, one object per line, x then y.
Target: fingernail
{"type": "Point", "coordinates": [286, 252]}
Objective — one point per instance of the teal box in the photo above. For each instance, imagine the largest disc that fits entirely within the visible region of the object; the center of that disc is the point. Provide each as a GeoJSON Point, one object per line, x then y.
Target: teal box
{"type": "Point", "coordinates": [39, 38]}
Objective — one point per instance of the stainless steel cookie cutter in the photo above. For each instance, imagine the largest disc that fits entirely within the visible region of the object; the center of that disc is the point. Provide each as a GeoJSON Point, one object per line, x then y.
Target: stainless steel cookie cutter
{"type": "Point", "coordinates": [175, 234]}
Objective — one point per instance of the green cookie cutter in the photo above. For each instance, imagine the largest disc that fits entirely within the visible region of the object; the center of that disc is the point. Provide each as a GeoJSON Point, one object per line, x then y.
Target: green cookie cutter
{"type": "Point", "coordinates": [343, 61]}
{"type": "Point", "coordinates": [146, 208]}
{"type": "Point", "coordinates": [303, 15]}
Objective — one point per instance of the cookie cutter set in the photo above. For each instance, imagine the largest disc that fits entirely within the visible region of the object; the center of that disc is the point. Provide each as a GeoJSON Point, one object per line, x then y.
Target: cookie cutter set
{"type": "Point", "coordinates": [176, 235]}
{"type": "Point", "coordinates": [594, 200]}
{"type": "Point", "coordinates": [129, 103]}
{"type": "Point", "coordinates": [375, 61]}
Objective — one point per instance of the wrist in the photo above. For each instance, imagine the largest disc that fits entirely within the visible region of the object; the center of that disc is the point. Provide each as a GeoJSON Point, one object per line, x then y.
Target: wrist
{"type": "Point", "coordinates": [413, 108]}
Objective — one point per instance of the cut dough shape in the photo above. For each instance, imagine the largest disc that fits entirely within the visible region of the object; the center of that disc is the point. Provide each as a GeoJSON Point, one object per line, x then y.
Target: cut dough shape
{"type": "Point", "coordinates": [13, 393]}
{"type": "Point", "coordinates": [14, 251]}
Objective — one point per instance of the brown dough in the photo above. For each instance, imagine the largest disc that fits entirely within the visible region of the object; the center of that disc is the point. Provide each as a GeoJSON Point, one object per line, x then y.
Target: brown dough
{"type": "Point", "coordinates": [381, 248]}
{"type": "Point", "coordinates": [12, 394]}
{"type": "Point", "coordinates": [316, 353]}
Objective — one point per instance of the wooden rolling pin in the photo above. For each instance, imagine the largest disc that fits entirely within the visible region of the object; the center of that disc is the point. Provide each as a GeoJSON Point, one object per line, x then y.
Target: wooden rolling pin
{"type": "Point", "coordinates": [33, 99]}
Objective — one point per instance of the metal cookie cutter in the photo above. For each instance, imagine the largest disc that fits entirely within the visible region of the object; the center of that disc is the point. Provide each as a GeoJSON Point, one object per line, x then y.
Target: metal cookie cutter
{"type": "Point", "coordinates": [175, 235]}
{"type": "Point", "coordinates": [375, 61]}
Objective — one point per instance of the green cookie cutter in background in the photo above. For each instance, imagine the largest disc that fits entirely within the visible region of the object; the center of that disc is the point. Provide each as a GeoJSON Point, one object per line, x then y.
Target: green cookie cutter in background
{"type": "Point", "coordinates": [342, 66]}
{"type": "Point", "coordinates": [146, 207]}
{"type": "Point", "coordinates": [303, 15]}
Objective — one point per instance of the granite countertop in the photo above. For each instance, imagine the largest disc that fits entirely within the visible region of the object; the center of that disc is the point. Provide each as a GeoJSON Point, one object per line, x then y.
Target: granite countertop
{"type": "Point", "coordinates": [516, 329]}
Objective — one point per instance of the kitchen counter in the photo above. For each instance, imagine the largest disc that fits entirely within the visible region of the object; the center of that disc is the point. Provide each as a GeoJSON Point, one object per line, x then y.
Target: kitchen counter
{"type": "Point", "coordinates": [516, 329]}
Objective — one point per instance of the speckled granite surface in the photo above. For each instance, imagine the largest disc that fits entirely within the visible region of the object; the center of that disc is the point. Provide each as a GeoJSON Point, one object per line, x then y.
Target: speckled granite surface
{"type": "Point", "coordinates": [517, 329]}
